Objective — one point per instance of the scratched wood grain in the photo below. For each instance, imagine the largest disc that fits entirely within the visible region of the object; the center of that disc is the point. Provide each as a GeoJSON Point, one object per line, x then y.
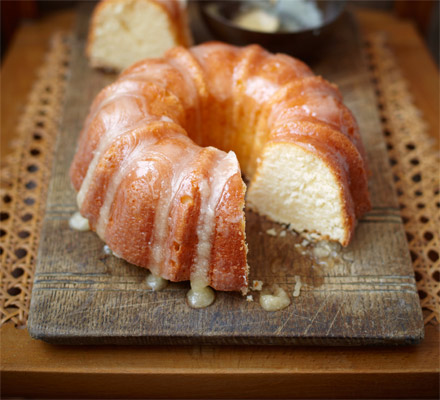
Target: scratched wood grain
{"type": "Point", "coordinates": [83, 296]}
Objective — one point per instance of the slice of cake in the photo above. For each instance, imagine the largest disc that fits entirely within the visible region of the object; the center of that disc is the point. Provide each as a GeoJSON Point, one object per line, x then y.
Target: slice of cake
{"type": "Point", "coordinates": [125, 31]}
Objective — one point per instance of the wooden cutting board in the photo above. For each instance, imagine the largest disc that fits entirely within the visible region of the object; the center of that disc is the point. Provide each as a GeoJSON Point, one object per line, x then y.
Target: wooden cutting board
{"type": "Point", "coordinates": [83, 296]}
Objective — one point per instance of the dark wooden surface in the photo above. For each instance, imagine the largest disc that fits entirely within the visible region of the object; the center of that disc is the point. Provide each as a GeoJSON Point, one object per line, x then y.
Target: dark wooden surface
{"type": "Point", "coordinates": [82, 296]}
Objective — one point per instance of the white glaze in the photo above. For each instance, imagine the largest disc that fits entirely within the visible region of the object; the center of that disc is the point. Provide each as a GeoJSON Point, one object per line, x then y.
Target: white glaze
{"type": "Point", "coordinates": [164, 118]}
{"type": "Point", "coordinates": [125, 166]}
{"type": "Point", "coordinates": [260, 89]}
{"type": "Point", "coordinates": [78, 222]}
{"type": "Point", "coordinates": [275, 299]}
{"type": "Point", "coordinates": [192, 90]}
{"type": "Point", "coordinates": [200, 297]}
{"type": "Point", "coordinates": [119, 91]}
{"type": "Point", "coordinates": [107, 250]}
{"type": "Point", "coordinates": [156, 283]}
{"type": "Point", "coordinates": [179, 164]}
{"type": "Point", "coordinates": [105, 141]}
{"type": "Point", "coordinates": [156, 72]}
{"type": "Point", "coordinates": [210, 193]}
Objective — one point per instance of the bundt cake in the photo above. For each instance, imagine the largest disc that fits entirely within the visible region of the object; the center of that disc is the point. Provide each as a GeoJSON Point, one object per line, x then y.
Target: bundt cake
{"type": "Point", "coordinates": [125, 31]}
{"type": "Point", "coordinates": [157, 193]}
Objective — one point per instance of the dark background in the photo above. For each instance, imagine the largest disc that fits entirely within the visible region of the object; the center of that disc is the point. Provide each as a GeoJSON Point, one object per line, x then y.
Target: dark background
{"type": "Point", "coordinates": [423, 13]}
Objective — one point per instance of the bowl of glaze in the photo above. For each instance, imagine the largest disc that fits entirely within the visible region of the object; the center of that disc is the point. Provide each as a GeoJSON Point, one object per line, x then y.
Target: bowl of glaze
{"type": "Point", "coordinates": [300, 41]}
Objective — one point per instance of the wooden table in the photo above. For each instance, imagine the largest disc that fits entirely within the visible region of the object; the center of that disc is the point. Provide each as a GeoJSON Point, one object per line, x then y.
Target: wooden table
{"type": "Point", "coordinates": [31, 368]}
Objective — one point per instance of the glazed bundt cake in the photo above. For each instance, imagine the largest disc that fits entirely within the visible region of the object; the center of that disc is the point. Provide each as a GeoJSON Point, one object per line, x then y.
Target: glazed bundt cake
{"type": "Point", "coordinates": [157, 193]}
{"type": "Point", "coordinates": [125, 31]}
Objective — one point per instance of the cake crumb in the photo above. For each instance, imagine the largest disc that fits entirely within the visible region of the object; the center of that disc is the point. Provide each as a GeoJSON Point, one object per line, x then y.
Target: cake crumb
{"type": "Point", "coordinates": [271, 232]}
{"type": "Point", "coordinates": [297, 288]}
{"type": "Point", "coordinates": [249, 298]}
{"type": "Point", "coordinates": [282, 233]}
{"type": "Point", "coordinates": [78, 222]}
{"type": "Point", "coordinates": [257, 285]}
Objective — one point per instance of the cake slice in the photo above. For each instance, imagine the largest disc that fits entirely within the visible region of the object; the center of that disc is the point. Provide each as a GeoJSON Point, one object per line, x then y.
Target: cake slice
{"type": "Point", "coordinates": [125, 31]}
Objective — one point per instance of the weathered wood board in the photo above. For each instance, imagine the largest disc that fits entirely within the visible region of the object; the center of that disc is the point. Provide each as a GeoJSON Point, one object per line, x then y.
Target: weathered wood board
{"type": "Point", "coordinates": [83, 296]}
